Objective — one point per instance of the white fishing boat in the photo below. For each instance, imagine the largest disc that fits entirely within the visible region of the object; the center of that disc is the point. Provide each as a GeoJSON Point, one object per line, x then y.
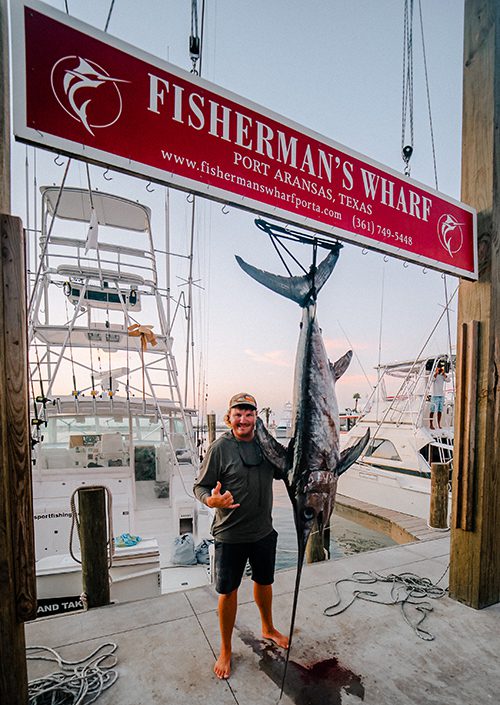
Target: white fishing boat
{"type": "Point", "coordinates": [395, 469]}
{"type": "Point", "coordinates": [284, 425]}
{"type": "Point", "coordinates": [106, 403]}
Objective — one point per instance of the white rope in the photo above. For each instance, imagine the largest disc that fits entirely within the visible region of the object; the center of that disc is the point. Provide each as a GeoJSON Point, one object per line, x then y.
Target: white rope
{"type": "Point", "coordinates": [76, 682]}
{"type": "Point", "coordinates": [406, 589]}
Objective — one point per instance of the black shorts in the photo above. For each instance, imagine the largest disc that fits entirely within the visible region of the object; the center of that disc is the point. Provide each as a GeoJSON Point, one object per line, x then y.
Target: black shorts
{"type": "Point", "coordinates": [231, 559]}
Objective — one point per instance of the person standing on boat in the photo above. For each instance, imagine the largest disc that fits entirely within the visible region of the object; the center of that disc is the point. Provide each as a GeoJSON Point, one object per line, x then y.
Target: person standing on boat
{"type": "Point", "coordinates": [237, 481]}
{"type": "Point", "coordinates": [437, 398]}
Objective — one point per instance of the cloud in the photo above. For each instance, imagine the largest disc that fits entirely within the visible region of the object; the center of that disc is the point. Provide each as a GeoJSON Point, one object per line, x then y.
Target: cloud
{"type": "Point", "coordinates": [334, 345]}
{"type": "Point", "coordinates": [278, 358]}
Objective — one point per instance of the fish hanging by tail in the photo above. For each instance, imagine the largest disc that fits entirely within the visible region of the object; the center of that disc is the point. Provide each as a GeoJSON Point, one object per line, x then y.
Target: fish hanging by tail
{"type": "Point", "coordinates": [312, 463]}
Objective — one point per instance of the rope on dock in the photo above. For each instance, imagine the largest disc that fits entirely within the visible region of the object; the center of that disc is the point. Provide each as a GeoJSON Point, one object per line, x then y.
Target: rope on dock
{"type": "Point", "coordinates": [407, 589]}
{"type": "Point", "coordinates": [76, 682]}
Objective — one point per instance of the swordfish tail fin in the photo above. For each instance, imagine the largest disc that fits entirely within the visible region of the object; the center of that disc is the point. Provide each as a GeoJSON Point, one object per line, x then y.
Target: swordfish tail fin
{"type": "Point", "coordinates": [299, 289]}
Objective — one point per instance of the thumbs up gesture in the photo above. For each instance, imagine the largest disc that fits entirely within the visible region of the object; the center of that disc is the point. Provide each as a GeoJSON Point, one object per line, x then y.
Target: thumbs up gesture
{"type": "Point", "coordinates": [222, 501]}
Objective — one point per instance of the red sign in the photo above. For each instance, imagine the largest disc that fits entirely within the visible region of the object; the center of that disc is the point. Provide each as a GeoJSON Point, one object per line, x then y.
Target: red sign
{"type": "Point", "coordinates": [81, 92]}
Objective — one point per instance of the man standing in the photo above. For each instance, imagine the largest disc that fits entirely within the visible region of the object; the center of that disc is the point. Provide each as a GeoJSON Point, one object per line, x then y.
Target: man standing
{"type": "Point", "coordinates": [437, 398]}
{"type": "Point", "coordinates": [237, 481]}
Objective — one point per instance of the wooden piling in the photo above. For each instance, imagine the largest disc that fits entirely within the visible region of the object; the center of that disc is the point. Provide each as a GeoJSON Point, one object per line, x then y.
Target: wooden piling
{"type": "Point", "coordinates": [211, 427]}
{"type": "Point", "coordinates": [475, 528]}
{"type": "Point", "coordinates": [438, 516]}
{"type": "Point", "coordinates": [4, 111]}
{"type": "Point", "coordinates": [93, 544]}
{"type": "Point", "coordinates": [17, 554]}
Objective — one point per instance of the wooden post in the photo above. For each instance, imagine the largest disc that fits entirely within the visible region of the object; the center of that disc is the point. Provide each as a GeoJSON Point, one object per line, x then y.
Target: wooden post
{"type": "Point", "coordinates": [438, 516]}
{"type": "Point", "coordinates": [475, 535]}
{"type": "Point", "coordinates": [93, 542]}
{"type": "Point", "coordinates": [17, 554]}
{"type": "Point", "coordinates": [211, 427]}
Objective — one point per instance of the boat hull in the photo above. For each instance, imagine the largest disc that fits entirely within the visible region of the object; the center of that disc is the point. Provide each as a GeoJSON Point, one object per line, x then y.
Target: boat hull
{"type": "Point", "coordinates": [398, 491]}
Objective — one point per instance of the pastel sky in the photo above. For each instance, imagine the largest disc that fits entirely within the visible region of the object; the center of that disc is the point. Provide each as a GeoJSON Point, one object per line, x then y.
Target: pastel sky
{"type": "Point", "coordinates": [334, 66]}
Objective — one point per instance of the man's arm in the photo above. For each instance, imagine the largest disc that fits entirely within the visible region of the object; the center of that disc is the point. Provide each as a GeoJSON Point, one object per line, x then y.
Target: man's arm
{"type": "Point", "coordinates": [208, 475]}
{"type": "Point", "coordinates": [207, 486]}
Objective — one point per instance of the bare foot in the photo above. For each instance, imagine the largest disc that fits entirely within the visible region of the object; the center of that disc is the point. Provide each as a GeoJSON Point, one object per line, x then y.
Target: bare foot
{"type": "Point", "coordinates": [278, 638]}
{"type": "Point", "coordinates": [222, 667]}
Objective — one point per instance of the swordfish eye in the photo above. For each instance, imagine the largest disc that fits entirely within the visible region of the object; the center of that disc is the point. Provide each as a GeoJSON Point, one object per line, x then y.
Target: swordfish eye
{"type": "Point", "coordinates": [308, 514]}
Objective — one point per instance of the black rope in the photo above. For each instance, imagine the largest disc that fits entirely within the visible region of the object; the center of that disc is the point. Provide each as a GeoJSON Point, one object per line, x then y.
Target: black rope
{"type": "Point", "coordinates": [407, 99]}
{"type": "Point", "coordinates": [277, 234]}
{"type": "Point", "coordinates": [195, 40]}
{"type": "Point", "coordinates": [109, 15]}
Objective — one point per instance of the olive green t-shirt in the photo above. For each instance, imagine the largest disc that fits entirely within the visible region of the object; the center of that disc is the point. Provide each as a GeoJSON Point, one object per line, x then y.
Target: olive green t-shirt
{"type": "Point", "coordinates": [241, 468]}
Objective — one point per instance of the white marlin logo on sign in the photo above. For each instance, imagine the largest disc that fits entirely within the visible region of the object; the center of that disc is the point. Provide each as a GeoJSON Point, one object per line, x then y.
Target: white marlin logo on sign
{"type": "Point", "coordinates": [87, 92]}
{"type": "Point", "coordinates": [450, 233]}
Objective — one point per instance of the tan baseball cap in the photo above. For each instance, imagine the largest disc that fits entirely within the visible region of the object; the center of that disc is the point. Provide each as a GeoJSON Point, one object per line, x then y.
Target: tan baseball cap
{"type": "Point", "coordinates": [243, 399]}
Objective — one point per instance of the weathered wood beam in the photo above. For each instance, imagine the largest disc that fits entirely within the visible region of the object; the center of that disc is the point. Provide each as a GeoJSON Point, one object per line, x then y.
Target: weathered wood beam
{"type": "Point", "coordinates": [475, 538]}
{"type": "Point", "coordinates": [93, 543]}
{"type": "Point", "coordinates": [17, 562]}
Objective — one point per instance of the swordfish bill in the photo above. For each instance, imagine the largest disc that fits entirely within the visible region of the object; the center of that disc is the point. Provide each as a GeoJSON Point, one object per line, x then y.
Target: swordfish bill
{"type": "Point", "coordinates": [312, 462]}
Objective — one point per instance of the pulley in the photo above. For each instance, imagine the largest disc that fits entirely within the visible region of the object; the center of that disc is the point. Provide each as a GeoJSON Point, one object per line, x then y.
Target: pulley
{"type": "Point", "coordinates": [407, 152]}
{"type": "Point", "coordinates": [194, 39]}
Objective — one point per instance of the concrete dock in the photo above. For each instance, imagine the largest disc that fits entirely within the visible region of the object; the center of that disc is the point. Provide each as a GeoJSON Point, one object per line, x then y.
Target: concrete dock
{"type": "Point", "coordinates": [368, 654]}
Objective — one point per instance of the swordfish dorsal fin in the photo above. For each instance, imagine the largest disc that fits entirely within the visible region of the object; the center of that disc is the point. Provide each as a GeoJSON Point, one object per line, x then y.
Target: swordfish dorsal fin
{"type": "Point", "coordinates": [350, 455]}
{"type": "Point", "coordinates": [298, 289]}
{"type": "Point", "coordinates": [340, 366]}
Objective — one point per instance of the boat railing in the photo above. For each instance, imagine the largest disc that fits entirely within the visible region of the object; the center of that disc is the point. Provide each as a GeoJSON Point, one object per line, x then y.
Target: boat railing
{"type": "Point", "coordinates": [411, 400]}
{"type": "Point", "coordinates": [81, 266]}
{"type": "Point", "coordinates": [102, 282]}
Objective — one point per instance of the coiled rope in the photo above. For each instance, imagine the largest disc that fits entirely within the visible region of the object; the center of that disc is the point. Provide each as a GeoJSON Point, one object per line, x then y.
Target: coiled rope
{"type": "Point", "coordinates": [407, 589]}
{"type": "Point", "coordinates": [76, 682]}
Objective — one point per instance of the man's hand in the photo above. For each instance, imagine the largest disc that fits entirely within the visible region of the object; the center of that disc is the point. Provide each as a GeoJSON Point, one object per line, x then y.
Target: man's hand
{"type": "Point", "coordinates": [222, 501]}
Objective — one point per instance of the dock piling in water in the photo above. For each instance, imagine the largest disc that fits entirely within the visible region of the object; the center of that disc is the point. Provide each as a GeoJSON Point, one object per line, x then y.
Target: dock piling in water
{"type": "Point", "coordinates": [438, 516]}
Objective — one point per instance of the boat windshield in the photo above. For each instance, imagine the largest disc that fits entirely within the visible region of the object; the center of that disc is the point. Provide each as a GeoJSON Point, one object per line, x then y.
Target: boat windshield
{"type": "Point", "coordinates": [61, 429]}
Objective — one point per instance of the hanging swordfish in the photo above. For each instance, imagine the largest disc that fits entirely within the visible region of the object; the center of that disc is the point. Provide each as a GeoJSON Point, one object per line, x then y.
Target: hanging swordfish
{"type": "Point", "coordinates": [312, 462]}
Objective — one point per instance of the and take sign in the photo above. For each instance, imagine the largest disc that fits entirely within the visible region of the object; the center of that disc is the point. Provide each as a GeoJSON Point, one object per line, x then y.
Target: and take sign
{"type": "Point", "coordinates": [83, 93]}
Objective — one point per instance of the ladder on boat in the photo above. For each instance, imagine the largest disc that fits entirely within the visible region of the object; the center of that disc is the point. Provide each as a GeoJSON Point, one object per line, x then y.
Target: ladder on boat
{"type": "Point", "coordinates": [107, 298]}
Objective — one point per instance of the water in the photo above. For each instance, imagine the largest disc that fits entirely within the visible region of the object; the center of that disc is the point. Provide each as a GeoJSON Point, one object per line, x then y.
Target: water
{"type": "Point", "coordinates": [347, 537]}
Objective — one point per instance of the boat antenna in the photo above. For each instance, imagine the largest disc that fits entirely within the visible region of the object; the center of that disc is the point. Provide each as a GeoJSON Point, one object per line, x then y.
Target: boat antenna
{"type": "Point", "coordinates": [407, 118]}
{"type": "Point", "coordinates": [380, 333]}
{"type": "Point", "coordinates": [436, 182]}
{"type": "Point", "coordinates": [431, 129]}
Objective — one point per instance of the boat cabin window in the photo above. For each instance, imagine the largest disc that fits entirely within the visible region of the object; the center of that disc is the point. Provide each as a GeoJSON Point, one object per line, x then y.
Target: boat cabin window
{"type": "Point", "coordinates": [382, 448]}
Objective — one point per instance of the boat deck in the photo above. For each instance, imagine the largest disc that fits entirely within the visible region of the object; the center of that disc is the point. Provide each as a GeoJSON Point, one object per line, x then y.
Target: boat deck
{"type": "Point", "coordinates": [369, 654]}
